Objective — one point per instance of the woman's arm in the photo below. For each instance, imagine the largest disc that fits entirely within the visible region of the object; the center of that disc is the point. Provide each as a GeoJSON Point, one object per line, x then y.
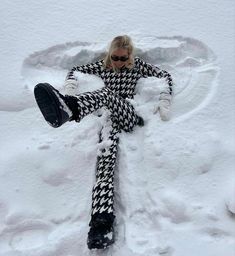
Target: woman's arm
{"type": "Point", "coordinates": [71, 81]}
{"type": "Point", "coordinates": [148, 70]}
{"type": "Point", "coordinates": [91, 68]}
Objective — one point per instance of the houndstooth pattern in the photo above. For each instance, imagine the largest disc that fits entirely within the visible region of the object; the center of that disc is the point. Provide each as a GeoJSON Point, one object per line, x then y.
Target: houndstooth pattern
{"type": "Point", "coordinates": [123, 117]}
{"type": "Point", "coordinates": [124, 82]}
{"type": "Point", "coordinates": [103, 190]}
{"type": "Point", "coordinates": [118, 87]}
{"type": "Point", "coordinates": [122, 112]}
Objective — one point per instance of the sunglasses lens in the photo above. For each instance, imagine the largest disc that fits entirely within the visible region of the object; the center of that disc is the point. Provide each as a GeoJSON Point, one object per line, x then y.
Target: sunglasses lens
{"type": "Point", "coordinates": [115, 58]}
{"type": "Point", "coordinates": [121, 58]}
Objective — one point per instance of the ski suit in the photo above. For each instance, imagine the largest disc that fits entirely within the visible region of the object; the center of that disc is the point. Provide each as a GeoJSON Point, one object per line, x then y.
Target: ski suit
{"type": "Point", "coordinates": [118, 86]}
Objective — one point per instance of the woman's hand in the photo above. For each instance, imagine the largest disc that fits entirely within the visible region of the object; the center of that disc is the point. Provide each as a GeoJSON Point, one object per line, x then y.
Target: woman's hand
{"type": "Point", "coordinates": [163, 108]}
{"type": "Point", "coordinates": [70, 87]}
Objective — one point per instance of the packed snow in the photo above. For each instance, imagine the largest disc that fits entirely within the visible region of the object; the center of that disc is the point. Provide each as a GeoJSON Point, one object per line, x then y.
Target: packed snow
{"type": "Point", "coordinates": [174, 181]}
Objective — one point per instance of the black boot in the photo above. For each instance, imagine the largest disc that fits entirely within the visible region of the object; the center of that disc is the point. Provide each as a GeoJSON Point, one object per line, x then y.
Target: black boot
{"type": "Point", "coordinates": [52, 104]}
{"type": "Point", "coordinates": [101, 234]}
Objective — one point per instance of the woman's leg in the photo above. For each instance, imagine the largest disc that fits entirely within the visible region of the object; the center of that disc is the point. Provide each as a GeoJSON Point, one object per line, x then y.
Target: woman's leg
{"type": "Point", "coordinates": [58, 109]}
{"type": "Point", "coordinates": [122, 112]}
{"type": "Point", "coordinates": [123, 117]}
{"type": "Point", "coordinates": [102, 197]}
{"type": "Point", "coordinates": [102, 214]}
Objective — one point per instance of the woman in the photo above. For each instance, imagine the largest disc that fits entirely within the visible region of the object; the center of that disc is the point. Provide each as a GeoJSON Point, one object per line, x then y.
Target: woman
{"type": "Point", "coordinates": [120, 71]}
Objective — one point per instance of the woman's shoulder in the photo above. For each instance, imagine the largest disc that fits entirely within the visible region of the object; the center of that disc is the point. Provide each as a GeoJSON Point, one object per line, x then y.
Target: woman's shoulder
{"type": "Point", "coordinates": [137, 59]}
{"type": "Point", "coordinates": [96, 64]}
{"type": "Point", "coordinates": [138, 62]}
{"type": "Point", "coordinates": [99, 62]}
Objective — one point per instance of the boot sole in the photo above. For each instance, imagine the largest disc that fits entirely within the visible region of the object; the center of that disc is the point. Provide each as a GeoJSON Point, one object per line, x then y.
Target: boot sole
{"type": "Point", "coordinates": [99, 244]}
{"type": "Point", "coordinates": [49, 104]}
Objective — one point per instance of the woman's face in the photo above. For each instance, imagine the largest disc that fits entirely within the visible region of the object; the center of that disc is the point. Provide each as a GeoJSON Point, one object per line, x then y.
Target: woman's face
{"type": "Point", "coordinates": [119, 58]}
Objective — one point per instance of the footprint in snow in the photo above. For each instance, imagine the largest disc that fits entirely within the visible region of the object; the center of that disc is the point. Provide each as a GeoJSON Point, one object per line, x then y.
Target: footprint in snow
{"type": "Point", "coordinates": [26, 235]}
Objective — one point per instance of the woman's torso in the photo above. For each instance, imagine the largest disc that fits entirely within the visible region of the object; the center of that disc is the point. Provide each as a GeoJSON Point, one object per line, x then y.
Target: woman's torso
{"type": "Point", "coordinates": [123, 82]}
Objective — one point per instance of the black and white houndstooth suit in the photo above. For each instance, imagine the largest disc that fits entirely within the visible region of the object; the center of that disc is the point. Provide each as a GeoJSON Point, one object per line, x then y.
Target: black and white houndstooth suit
{"type": "Point", "coordinates": [118, 87]}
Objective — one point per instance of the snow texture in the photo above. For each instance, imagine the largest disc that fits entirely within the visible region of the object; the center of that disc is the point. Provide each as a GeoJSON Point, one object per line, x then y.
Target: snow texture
{"type": "Point", "coordinates": [175, 180]}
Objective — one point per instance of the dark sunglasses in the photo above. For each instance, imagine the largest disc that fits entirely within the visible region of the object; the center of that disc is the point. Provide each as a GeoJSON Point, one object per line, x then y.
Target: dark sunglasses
{"type": "Point", "coordinates": [121, 58]}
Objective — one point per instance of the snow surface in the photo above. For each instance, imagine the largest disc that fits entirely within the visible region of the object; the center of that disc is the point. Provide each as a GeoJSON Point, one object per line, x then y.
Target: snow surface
{"type": "Point", "coordinates": [175, 181]}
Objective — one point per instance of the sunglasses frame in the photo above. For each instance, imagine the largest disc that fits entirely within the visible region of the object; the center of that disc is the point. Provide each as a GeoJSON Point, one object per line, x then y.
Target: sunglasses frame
{"type": "Point", "coordinates": [121, 58]}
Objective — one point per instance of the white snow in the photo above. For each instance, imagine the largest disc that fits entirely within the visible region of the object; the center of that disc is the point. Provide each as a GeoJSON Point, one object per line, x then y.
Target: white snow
{"type": "Point", "coordinates": [175, 180]}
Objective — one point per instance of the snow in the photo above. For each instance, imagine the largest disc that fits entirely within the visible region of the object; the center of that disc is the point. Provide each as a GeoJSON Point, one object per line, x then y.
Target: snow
{"type": "Point", "coordinates": [175, 180]}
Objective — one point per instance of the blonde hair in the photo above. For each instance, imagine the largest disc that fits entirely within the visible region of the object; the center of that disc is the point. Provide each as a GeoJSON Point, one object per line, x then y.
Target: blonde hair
{"type": "Point", "coordinates": [123, 42]}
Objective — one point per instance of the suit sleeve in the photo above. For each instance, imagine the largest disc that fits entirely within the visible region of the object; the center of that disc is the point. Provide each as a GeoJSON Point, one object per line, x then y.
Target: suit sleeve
{"type": "Point", "coordinates": [91, 68]}
{"type": "Point", "coordinates": [71, 85]}
{"type": "Point", "coordinates": [148, 70]}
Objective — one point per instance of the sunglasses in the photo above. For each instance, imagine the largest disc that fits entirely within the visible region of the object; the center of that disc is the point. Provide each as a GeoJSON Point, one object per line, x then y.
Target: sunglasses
{"type": "Point", "coordinates": [121, 58]}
